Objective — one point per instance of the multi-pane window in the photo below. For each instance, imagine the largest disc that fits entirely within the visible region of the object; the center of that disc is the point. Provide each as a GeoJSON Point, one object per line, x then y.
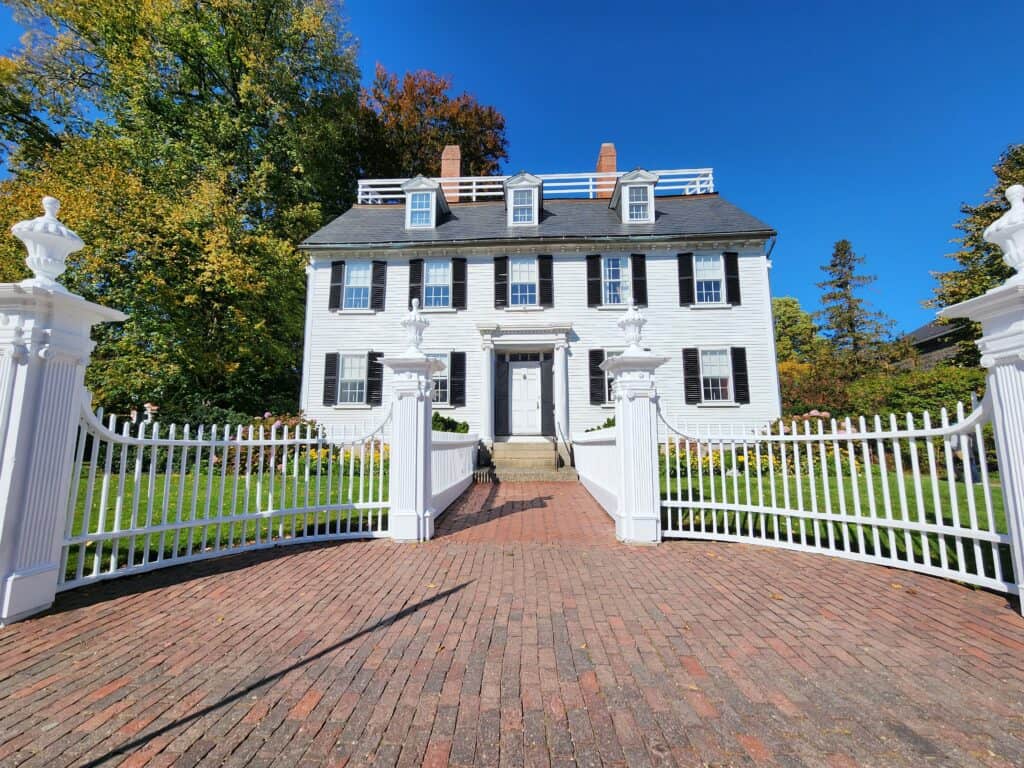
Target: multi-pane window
{"type": "Point", "coordinates": [358, 276]}
{"type": "Point", "coordinates": [522, 206]}
{"type": "Point", "coordinates": [522, 281]}
{"type": "Point", "coordinates": [437, 284]}
{"type": "Point", "coordinates": [715, 372]}
{"type": "Point", "coordinates": [639, 203]}
{"type": "Point", "coordinates": [707, 274]}
{"type": "Point", "coordinates": [352, 379]}
{"type": "Point", "coordinates": [442, 389]}
{"type": "Point", "coordinates": [608, 378]}
{"type": "Point", "coordinates": [419, 209]}
{"type": "Point", "coordinates": [615, 274]}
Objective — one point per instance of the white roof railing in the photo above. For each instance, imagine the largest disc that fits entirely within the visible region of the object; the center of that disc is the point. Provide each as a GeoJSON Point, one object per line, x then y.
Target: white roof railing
{"type": "Point", "coordinates": [680, 181]}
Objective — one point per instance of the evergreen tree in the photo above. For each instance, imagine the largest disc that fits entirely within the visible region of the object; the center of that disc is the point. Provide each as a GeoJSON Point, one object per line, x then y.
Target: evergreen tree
{"type": "Point", "coordinates": [855, 331]}
{"type": "Point", "coordinates": [980, 264]}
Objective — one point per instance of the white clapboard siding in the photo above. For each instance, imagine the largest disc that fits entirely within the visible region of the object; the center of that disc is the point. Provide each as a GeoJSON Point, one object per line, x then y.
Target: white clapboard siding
{"type": "Point", "coordinates": [669, 329]}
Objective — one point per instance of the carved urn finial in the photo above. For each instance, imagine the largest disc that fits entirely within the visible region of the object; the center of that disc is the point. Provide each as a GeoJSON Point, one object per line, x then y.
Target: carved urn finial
{"type": "Point", "coordinates": [631, 323]}
{"type": "Point", "coordinates": [48, 243]}
{"type": "Point", "coordinates": [1008, 232]}
{"type": "Point", "coordinates": [414, 324]}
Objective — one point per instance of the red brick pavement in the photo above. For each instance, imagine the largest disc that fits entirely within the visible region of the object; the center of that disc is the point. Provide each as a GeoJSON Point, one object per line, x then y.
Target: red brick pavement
{"type": "Point", "coordinates": [522, 635]}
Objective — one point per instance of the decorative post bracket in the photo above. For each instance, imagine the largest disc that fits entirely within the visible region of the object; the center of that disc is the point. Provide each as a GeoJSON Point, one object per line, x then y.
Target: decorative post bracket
{"type": "Point", "coordinates": [1001, 314]}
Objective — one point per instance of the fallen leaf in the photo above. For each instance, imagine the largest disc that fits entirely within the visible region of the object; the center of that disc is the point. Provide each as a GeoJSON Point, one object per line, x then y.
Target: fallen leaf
{"type": "Point", "coordinates": [431, 586]}
{"type": "Point", "coordinates": [583, 647]}
{"type": "Point", "coordinates": [776, 596]}
{"type": "Point", "coordinates": [894, 585]}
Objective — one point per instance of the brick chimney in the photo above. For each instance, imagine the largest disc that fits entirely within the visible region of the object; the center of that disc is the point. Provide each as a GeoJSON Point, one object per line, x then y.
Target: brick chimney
{"type": "Point", "coordinates": [451, 167]}
{"type": "Point", "coordinates": [606, 164]}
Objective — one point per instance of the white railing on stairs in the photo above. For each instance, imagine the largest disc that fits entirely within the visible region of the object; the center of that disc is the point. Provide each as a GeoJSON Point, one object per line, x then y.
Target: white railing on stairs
{"type": "Point", "coordinates": [900, 492]}
{"type": "Point", "coordinates": [452, 461]}
{"type": "Point", "coordinates": [147, 496]}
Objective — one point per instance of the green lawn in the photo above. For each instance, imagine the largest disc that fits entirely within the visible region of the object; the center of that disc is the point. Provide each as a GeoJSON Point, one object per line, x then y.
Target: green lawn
{"type": "Point", "coordinates": [782, 491]}
{"type": "Point", "coordinates": [176, 499]}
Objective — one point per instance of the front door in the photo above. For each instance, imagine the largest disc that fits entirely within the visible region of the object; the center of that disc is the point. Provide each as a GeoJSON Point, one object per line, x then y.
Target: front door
{"type": "Point", "coordinates": [524, 397]}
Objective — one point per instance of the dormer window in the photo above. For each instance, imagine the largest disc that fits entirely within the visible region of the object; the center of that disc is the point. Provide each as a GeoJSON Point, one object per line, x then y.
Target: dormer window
{"type": "Point", "coordinates": [633, 196]}
{"type": "Point", "coordinates": [424, 203]}
{"type": "Point", "coordinates": [421, 209]}
{"type": "Point", "coordinates": [523, 196]}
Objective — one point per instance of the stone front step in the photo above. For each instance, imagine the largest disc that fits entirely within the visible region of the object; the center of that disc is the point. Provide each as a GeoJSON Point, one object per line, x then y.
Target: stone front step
{"type": "Point", "coordinates": [516, 475]}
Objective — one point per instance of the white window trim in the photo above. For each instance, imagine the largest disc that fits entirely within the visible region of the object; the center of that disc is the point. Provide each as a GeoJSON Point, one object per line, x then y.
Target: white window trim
{"type": "Point", "coordinates": [451, 288]}
{"type": "Point", "coordinates": [626, 279]}
{"type": "Point", "coordinates": [362, 405]}
{"type": "Point", "coordinates": [624, 204]}
{"type": "Point", "coordinates": [536, 269]}
{"type": "Point", "coordinates": [368, 309]}
{"type": "Point", "coordinates": [447, 375]}
{"type": "Point", "coordinates": [535, 217]}
{"type": "Point", "coordinates": [432, 209]}
{"type": "Point", "coordinates": [723, 303]}
{"type": "Point", "coordinates": [731, 400]}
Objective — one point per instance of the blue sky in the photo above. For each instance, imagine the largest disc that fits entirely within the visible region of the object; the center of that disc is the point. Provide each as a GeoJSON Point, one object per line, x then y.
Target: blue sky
{"type": "Point", "coordinates": [872, 122]}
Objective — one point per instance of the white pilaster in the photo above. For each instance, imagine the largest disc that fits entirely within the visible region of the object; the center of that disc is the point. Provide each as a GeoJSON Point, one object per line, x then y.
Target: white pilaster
{"type": "Point", "coordinates": [636, 436]}
{"type": "Point", "coordinates": [44, 347]}
{"type": "Point", "coordinates": [1001, 314]}
{"type": "Point", "coordinates": [409, 484]}
{"type": "Point", "coordinates": [487, 394]}
{"type": "Point", "coordinates": [561, 376]}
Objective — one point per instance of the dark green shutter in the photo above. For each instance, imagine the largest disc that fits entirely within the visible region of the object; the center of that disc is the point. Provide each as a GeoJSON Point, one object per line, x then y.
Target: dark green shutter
{"type": "Point", "coordinates": [457, 378]}
{"type": "Point", "coordinates": [415, 280]}
{"type": "Point", "coordinates": [691, 375]}
{"type": "Point", "coordinates": [374, 378]}
{"type": "Point", "coordinates": [337, 284]}
{"type": "Point", "coordinates": [500, 282]}
{"type": "Point", "coordinates": [740, 379]}
{"type": "Point", "coordinates": [459, 283]}
{"type": "Point", "coordinates": [546, 280]}
{"type": "Point", "coordinates": [732, 277]}
{"type": "Point", "coordinates": [594, 281]}
{"type": "Point", "coordinates": [598, 391]}
{"type": "Point", "coordinates": [378, 285]}
{"type": "Point", "coordinates": [331, 379]}
{"type": "Point", "coordinates": [638, 271]}
{"type": "Point", "coordinates": [685, 261]}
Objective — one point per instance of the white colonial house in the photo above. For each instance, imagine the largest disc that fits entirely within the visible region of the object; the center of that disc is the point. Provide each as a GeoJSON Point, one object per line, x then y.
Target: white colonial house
{"type": "Point", "coordinates": [523, 279]}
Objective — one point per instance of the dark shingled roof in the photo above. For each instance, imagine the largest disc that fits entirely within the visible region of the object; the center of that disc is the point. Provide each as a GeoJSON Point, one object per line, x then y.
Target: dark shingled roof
{"type": "Point", "coordinates": [931, 331]}
{"type": "Point", "coordinates": [683, 216]}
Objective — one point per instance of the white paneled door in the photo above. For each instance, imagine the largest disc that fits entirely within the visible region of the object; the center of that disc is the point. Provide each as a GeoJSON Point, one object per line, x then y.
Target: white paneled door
{"type": "Point", "coordinates": [524, 397]}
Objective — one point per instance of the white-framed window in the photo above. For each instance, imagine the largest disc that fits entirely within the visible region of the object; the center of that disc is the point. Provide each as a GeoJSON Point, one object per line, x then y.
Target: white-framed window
{"type": "Point", "coordinates": [708, 278]}
{"type": "Point", "coordinates": [358, 278]}
{"type": "Point", "coordinates": [715, 375]}
{"type": "Point", "coordinates": [441, 394]}
{"type": "Point", "coordinates": [351, 379]}
{"type": "Point", "coordinates": [608, 378]}
{"type": "Point", "coordinates": [522, 284]}
{"type": "Point", "coordinates": [614, 277]}
{"type": "Point", "coordinates": [421, 209]}
{"type": "Point", "coordinates": [523, 202]}
{"type": "Point", "coordinates": [639, 202]}
{"type": "Point", "coordinates": [437, 284]}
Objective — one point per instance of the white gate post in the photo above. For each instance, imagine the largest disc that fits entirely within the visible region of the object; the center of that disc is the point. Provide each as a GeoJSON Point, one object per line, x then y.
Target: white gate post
{"type": "Point", "coordinates": [44, 348]}
{"type": "Point", "coordinates": [636, 435]}
{"type": "Point", "coordinates": [409, 484]}
{"type": "Point", "coordinates": [1001, 314]}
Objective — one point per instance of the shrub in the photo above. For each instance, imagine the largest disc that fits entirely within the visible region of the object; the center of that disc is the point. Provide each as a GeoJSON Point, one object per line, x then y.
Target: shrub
{"type": "Point", "coordinates": [441, 423]}
{"type": "Point", "coordinates": [915, 391]}
{"type": "Point", "coordinates": [608, 423]}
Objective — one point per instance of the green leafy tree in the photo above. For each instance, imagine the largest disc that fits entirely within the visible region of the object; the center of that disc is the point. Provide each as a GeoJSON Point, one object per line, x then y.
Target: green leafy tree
{"type": "Point", "coordinates": [855, 331]}
{"type": "Point", "coordinates": [795, 332]}
{"type": "Point", "coordinates": [980, 265]}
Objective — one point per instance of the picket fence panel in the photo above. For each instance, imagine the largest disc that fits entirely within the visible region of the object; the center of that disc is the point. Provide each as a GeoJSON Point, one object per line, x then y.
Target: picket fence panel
{"type": "Point", "coordinates": [901, 492]}
{"type": "Point", "coordinates": [148, 496]}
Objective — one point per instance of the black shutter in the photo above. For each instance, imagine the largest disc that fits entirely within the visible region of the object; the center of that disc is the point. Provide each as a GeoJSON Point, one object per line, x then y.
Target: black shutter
{"type": "Point", "coordinates": [594, 281]}
{"type": "Point", "coordinates": [691, 375]}
{"type": "Point", "coordinates": [500, 282]}
{"type": "Point", "coordinates": [379, 284]}
{"type": "Point", "coordinates": [546, 278]}
{"type": "Point", "coordinates": [740, 379]}
{"type": "Point", "coordinates": [331, 378]}
{"type": "Point", "coordinates": [458, 283]}
{"type": "Point", "coordinates": [457, 378]}
{"type": "Point", "coordinates": [374, 378]}
{"type": "Point", "coordinates": [598, 390]}
{"type": "Point", "coordinates": [501, 426]}
{"type": "Point", "coordinates": [685, 279]}
{"type": "Point", "coordinates": [732, 277]}
{"type": "Point", "coordinates": [638, 271]}
{"type": "Point", "coordinates": [415, 280]}
{"type": "Point", "coordinates": [337, 284]}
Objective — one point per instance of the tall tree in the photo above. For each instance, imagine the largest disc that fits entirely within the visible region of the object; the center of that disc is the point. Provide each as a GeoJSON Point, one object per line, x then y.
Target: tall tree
{"type": "Point", "coordinates": [980, 264]}
{"type": "Point", "coordinates": [405, 123]}
{"type": "Point", "coordinates": [846, 319]}
{"type": "Point", "coordinates": [795, 331]}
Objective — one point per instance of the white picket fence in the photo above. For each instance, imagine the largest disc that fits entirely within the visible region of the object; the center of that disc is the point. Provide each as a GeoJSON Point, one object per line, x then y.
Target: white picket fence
{"type": "Point", "coordinates": [452, 461]}
{"type": "Point", "coordinates": [597, 464]}
{"type": "Point", "coordinates": [901, 492]}
{"type": "Point", "coordinates": [149, 496]}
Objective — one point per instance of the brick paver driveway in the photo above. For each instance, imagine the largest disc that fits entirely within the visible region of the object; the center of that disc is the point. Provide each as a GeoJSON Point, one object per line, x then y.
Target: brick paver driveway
{"type": "Point", "coordinates": [521, 635]}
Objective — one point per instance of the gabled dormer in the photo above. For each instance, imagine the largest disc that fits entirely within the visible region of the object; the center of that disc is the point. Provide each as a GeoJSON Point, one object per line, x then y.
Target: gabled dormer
{"type": "Point", "coordinates": [524, 195]}
{"type": "Point", "coordinates": [424, 203]}
{"type": "Point", "coordinates": [633, 197]}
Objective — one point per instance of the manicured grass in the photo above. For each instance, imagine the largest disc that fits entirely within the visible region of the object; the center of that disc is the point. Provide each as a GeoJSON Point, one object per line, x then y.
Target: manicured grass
{"type": "Point", "coordinates": [181, 498]}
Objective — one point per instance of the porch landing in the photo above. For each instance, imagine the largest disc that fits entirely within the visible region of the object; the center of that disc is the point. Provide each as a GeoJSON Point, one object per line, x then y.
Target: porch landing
{"type": "Point", "coordinates": [522, 635]}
